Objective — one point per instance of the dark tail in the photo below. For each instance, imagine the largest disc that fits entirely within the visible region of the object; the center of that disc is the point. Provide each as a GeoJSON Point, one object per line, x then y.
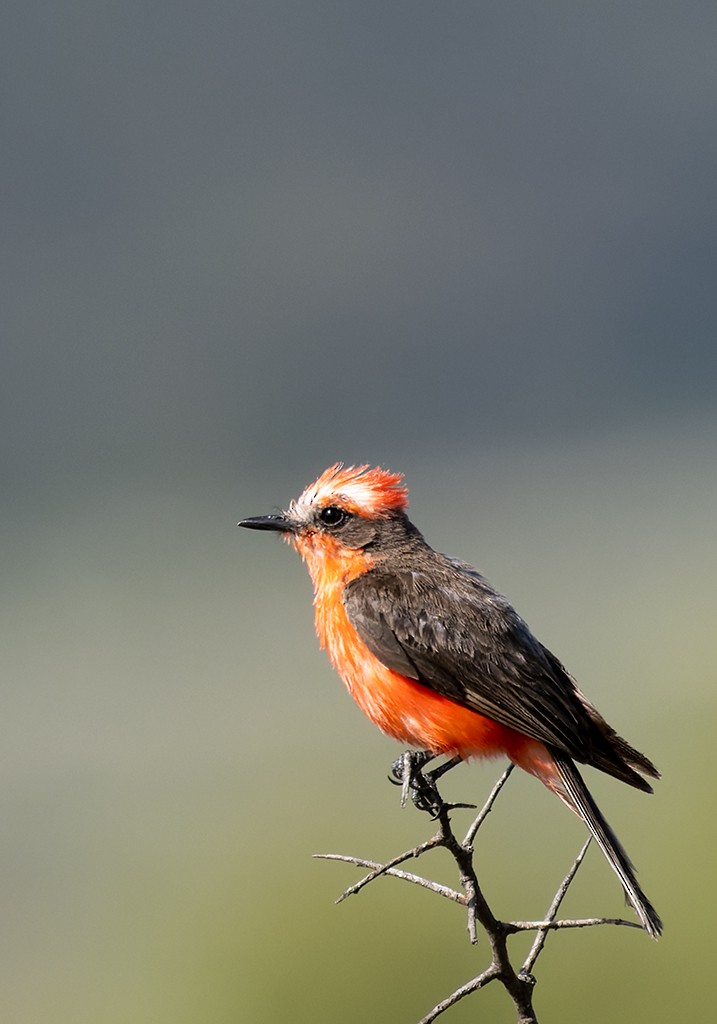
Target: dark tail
{"type": "Point", "coordinates": [580, 800]}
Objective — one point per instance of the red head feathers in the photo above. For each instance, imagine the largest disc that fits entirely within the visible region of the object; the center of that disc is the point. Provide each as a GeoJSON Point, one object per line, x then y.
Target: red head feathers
{"type": "Point", "coordinates": [362, 490]}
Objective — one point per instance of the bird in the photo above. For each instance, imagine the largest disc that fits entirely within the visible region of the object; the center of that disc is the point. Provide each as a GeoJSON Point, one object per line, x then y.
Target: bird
{"type": "Point", "coordinates": [440, 660]}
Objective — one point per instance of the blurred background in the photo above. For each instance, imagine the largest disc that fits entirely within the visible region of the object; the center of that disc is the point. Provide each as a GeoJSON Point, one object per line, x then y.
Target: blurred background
{"type": "Point", "coordinates": [472, 242]}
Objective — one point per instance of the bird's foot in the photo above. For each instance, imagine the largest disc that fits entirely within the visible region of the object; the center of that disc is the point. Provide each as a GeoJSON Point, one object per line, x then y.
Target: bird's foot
{"type": "Point", "coordinates": [407, 772]}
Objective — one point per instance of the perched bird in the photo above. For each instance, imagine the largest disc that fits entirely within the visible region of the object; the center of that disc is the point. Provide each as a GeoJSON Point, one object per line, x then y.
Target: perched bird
{"type": "Point", "coordinates": [439, 660]}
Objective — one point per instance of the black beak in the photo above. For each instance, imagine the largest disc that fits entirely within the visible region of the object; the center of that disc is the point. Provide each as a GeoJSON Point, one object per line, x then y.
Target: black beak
{"type": "Point", "coordinates": [280, 524]}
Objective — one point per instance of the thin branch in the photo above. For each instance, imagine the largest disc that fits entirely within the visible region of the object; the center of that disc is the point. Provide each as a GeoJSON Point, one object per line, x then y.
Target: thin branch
{"type": "Point", "coordinates": [488, 806]}
{"type": "Point", "coordinates": [537, 947]}
{"type": "Point", "coordinates": [382, 869]}
{"type": "Point", "coordinates": [465, 990]}
{"type": "Point", "coordinates": [578, 922]}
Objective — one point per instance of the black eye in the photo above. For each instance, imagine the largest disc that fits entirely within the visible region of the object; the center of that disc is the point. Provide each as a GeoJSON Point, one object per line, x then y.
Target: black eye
{"type": "Point", "coordinates": [332, 515]}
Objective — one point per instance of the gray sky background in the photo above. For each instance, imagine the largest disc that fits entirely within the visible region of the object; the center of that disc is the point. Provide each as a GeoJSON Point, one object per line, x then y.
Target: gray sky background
{"type": "Point", "coordinates": [240, 234]}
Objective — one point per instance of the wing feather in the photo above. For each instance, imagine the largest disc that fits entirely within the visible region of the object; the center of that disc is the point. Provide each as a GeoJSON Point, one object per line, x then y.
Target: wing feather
{"type": "Point", "coordinates": [444, 626]}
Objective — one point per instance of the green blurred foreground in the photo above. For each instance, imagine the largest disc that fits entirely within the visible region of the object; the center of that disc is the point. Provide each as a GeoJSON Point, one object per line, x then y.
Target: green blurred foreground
{"type": "Point", "coordinates": [176, 748]}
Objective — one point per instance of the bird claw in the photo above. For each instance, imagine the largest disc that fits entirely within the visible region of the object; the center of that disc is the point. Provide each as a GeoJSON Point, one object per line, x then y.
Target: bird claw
{"type": "Point", "coordinates": [406, 771]}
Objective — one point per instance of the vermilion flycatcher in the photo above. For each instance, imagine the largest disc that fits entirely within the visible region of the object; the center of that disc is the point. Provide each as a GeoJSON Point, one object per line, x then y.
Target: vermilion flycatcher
{"type": "Point", "coordinates": [441, 661]}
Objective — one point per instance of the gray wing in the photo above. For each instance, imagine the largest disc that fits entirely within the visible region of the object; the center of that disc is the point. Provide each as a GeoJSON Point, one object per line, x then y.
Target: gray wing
{"type": "Point", "coordinates": [449, 630]}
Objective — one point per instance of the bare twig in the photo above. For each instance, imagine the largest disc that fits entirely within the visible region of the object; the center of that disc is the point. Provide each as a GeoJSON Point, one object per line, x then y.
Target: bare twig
{"type": "Point", "coordinates": [580, 922]}
{"type": "Point", "coordinates": [380, 869]}
{"type": "Point", "coordinates": [518, 984]}
{"type": "Point", "coordinates": [384, 869]}
{"type": "Point", "coordinates": [537, 947]}
{"type": "Point", "coordinates": [460, 993]}
{"type": "Point", "coordinates": [488, 806]}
